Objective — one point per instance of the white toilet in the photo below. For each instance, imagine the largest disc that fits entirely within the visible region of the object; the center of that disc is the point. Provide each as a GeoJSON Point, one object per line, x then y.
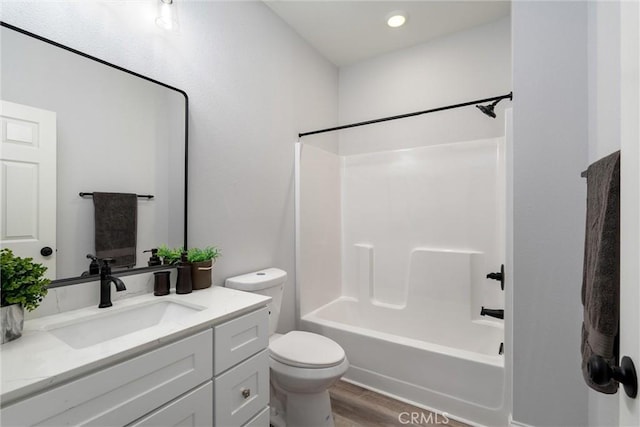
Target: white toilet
{"type": "Point", "coordinates": [303, 365]}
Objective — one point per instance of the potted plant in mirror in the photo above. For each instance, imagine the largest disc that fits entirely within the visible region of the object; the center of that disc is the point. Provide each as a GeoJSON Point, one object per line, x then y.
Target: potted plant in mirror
{"type": "Point", "coordinates": [202, 261]}
{"type": "Point", "coordinates": [169, 256]}
{"type": "Point", "coordinates": [23, 286]}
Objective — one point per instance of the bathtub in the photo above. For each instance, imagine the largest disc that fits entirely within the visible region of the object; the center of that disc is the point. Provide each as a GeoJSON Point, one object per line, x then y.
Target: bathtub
{"type": "Point", "coordinates": [392, 254]}
{"type": "Point", "coordinates": [433, 358]}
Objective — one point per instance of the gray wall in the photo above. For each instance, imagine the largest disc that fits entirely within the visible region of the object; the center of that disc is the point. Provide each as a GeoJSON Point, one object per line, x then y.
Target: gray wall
{"type": "Point", "coordinates": [253, 84]}
{"type": "Point", "coordinates": [550, 151]}
{"type": "Point", "coordinates": [460, 67]}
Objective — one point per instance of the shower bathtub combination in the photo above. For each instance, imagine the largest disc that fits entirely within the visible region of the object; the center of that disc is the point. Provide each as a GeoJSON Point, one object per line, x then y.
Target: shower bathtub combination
{"type": "Point", "coordinates": [393, 253]}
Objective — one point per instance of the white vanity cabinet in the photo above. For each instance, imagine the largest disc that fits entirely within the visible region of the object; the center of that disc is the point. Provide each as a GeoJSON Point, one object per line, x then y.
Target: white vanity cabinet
{"type": "Point", "coordinates": [180, 383]}
{"type": "Point", "coordinates": [192, 409]}
{"type": "Point", "coordinates": [241, 369]}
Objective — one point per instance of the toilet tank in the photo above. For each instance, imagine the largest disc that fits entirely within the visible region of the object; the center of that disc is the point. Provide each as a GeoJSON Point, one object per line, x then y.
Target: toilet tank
{"type": "Point", "coordinates": [269, 282]}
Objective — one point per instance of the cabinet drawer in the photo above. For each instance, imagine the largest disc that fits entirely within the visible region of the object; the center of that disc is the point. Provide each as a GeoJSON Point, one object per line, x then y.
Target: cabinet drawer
{"type": "Point", "coordinates": [260, 420]}
{"type": "Point", "coordinates": [240, 338]}
{"type": "Point", "coordinates": [122, 393]}
{"type": "Point", "coordinates": [240, 393]}
{"type": "Point", "coordinates": [193, 409]}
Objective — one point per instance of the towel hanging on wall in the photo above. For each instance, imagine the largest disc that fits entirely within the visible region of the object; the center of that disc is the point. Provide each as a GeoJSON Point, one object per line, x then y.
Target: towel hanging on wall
{"type": "Point", "coordinates": [116, 217]}
{"type": "Point", "coordinates": [601, 270]}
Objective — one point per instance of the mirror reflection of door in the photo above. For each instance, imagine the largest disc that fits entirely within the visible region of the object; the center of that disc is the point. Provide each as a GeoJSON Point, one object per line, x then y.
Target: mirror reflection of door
{"type": "Point", "coordinates": [28, 183]}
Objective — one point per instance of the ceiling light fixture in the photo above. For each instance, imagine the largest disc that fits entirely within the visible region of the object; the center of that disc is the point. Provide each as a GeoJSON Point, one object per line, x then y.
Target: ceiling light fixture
{"type": "Point", "coordinates": [396, 19]}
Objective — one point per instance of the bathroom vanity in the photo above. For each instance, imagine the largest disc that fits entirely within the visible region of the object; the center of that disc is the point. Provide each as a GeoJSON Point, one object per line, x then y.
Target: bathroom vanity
{"type": "Point", "coordinates": [199, 359]}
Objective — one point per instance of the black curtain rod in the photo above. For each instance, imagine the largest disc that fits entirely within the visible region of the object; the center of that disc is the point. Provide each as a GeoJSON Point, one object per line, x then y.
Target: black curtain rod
{"type": "Point", "coordinates": [402, 116]}
{"type": "Point", "coordinates": [140, 196]}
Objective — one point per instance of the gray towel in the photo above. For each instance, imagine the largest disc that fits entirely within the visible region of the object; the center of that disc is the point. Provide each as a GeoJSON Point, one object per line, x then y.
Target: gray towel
{"type": "Point", "coordinates": [116, 218]}
{"type": "Point", "coordinates": [601, 274]}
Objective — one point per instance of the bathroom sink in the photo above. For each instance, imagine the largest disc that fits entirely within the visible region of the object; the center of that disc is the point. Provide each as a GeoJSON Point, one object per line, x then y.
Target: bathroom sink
{"type": "Point", "coordinates": [114, 323]}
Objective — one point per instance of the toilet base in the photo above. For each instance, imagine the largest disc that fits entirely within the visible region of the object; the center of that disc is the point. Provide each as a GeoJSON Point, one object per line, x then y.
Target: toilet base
{"type": "Point", "coordinates": [300, 396]}
{"type": "Point", "coordinates": [302, 409]}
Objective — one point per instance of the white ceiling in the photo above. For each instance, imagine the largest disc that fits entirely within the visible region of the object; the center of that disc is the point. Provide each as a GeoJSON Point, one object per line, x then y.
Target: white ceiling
{"type": "Point", "coordinates": [348, 31]}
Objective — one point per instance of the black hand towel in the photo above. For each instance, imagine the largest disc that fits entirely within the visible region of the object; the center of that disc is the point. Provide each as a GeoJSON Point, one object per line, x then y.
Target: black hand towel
{"type": "Point", "coordinates": [601, 271]}
{"type": "Point", "coordinates": [116, 218]}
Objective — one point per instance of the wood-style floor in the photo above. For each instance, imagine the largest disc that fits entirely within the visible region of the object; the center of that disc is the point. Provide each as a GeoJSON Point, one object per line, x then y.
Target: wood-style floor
{"type": "Point", "coordinates": [355, 406]}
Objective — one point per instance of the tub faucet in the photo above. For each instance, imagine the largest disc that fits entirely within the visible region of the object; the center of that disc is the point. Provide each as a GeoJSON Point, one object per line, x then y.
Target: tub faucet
{"type": "Point", "coordinates": [491, 312]}
{"type": "Point", "coordinates": [105, 283]}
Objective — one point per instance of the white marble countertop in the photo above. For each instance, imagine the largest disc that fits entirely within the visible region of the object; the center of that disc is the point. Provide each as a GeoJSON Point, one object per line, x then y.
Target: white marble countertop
{"type": "Point", "coordinates": [39, 360]}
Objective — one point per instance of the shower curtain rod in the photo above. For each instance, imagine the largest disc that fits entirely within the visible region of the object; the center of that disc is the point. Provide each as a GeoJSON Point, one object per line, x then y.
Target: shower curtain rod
{"type": "Point", "coordinates": [402, 116]}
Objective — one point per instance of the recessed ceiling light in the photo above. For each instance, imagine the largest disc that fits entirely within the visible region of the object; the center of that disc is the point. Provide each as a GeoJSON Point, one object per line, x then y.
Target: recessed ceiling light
{"type": "Point", "coordinates": [396, 19]}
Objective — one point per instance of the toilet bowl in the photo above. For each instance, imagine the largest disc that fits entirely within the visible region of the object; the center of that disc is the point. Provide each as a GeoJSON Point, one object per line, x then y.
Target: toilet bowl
{"type": "Point", "coordinates": [303, 365]}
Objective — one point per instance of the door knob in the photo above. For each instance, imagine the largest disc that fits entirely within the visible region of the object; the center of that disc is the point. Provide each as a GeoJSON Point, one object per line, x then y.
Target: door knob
{"type": "Point", "coordinates": [46, 251]}
{"type": "Point", "coordinates": [601, 373]}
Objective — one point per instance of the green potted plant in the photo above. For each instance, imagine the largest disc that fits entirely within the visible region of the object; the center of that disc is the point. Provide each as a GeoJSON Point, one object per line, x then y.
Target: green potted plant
{"type": "Point", "coordinates": [202, 261]}
{"type": "Point", "coordinates": [23, 286]}
{"type": "Point", "coordinates": [169, 255]}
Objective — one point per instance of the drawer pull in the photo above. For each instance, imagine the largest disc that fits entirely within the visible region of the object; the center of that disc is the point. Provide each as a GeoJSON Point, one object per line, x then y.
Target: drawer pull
{"type": "Point", "coordinates": [246, 392]}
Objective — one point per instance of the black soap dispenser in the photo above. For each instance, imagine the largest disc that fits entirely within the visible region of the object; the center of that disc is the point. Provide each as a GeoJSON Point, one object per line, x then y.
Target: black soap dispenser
{"type": "Point", "coordinates": [154, 259]}
{"type": "Point", "coordinates": [183, 283]}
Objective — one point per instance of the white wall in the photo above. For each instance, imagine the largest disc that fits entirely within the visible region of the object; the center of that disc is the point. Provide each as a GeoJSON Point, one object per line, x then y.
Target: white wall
{"type": "Point", "coordinates": [253, 85]}
{"type": "Point", "coordinates": [604, 134]}
{"type": "Point", "coordinates": [550, 151]}
{"type": "Point", "coordinates": [629, 409]}
{"type": "Point", "coordinates": [469, 65]}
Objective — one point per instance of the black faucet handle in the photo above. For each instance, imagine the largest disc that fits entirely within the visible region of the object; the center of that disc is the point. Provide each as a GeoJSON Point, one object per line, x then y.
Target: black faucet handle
{"type": "Point", "coordinates": [106, 267]}
{"type": "Point", "coordinates": [499, 276]}
{"type": "Point", "coordinates": [94, 267]}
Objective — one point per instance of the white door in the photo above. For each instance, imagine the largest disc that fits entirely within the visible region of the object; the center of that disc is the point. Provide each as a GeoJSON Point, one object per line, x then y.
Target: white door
{"type": "Point", "coordinates": [28, 183]}
{"type": "Point", "coordinates": [629, 409]}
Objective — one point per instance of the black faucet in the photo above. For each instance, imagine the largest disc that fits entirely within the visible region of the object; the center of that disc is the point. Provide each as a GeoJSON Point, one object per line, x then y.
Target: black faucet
{"type": "Point", "coordinates": [492, 312]}
{"type": "Point", "coordinates": [105, 283]}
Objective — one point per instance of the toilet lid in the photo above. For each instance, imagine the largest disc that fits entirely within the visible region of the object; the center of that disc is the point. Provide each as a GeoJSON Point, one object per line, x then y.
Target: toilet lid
{"type": "Point", "coordinates": [306, 350]}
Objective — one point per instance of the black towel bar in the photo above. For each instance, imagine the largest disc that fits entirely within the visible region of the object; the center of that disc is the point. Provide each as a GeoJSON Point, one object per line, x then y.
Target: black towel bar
{"type": "Point", "coordinates": [140, 196]}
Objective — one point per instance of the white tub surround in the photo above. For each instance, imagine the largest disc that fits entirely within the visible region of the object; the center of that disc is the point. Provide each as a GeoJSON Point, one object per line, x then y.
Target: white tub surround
{"type": "Point", "coordinates": [427, 220]}
{"type": "Point", "coordinates": [39, 360]}
{"type": "Point", "coordinates": [394, 251]}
